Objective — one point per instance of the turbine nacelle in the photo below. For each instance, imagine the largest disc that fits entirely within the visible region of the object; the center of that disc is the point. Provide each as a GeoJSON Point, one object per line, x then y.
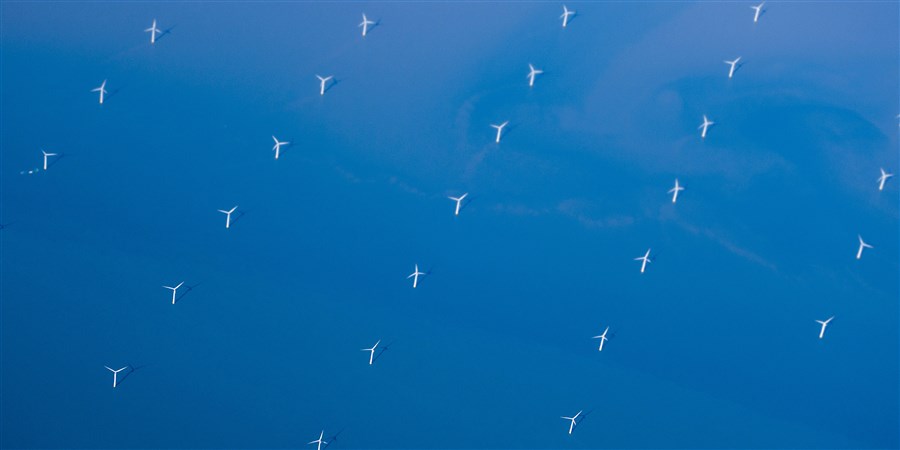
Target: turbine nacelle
{"type": "Point", "coordinates": [319, 441]}
{"type": "Point", "coordinates": [458, 201]}
{"type": "Point", "coordinates": [365, 24]}
{"type": "Point", "coordinates": [322, 82]}
{"type": "Point", "coordinates": [675, 190]}
{"type": "Point", "coordinates": [153, 32]}
{"type": "Point", "coordinates": [884, 176]}
{"type": "Point", "coordinates": [101, 89]}
{"type": "Point", "coordinates": [758, 9]}
{"type": "Point", "coordinates": [371, 351]}
{"type": "Point", "coordinates": [277, 147]}
{"type": "Point", "coordinates": [733, 65]}
{"type": "Point", "coordinates": [532, 72]}
{"type": "Point", "coordinates": [228, 216]}
{"type": "Point", "coordinates": [565, 15]}
{"type": "Point", "coordinates": [46, 156]}
{"type": "Point", "coordinates": [602, 338]}
{"type": "Point", "coordinates": [115, 373]}
{"type": "Point", "coordinates": [645, 259]}
{"type": "Point", "coordinates": [824, 324]}
{"type": "Point", "coordinates": [705, 126]}
{"type": "Point", "coordinates": [415, 276]}
{"type": "Point", "coordinates": [862, 245]}
{"type": "Point", "coordinates": [572, 420]}
{"type": "Point", "coordinates": [499, 130]}
{"type": "Point", "coordinates": [174, 290]}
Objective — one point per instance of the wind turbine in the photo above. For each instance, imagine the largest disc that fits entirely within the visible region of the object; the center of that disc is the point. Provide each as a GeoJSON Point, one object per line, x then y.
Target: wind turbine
{"type": "Point", "coordinates": [573, 419]}
{"type": "Point", "coordinates": [322, 82]}
{"type": "Point", "coordinates": [458, 201]}
{"type": "Point", "coordinates": [371, 351]}
{"type": "Point", "coordinates": [277, 146]}
{"type": "Point", "coordinates": [415, 276]}
{"type": "Point", "coordinates": [532, 72]}
{"type": "Point", "coordinates": [824, 324]}
{"type": "Point", "coordinates": [101, 90]}
{"type": "Point", "coordinates": [365, 24]}
{"type": "Point", "coordinates": [884, 176]}
{"type": "Point", "coordinates": [565, 15]}
{"type": "Point", "coordinates": [499, 129]}
{"type": "Point", "coordinates": [862, 245]}
{"type": "Point", "coordinates": [733, 64]}
{"type": "Point", "coordinates": [645, 259]}
{"type": "Point", "coordinates": [115, 374]}
{"type": "Point", "coordinates": [758, 9]}
{"type": "Point", "coordinates": [319, 441]}
{"type": "Point", "coordinates": [153, 31]}
{"type": "Point", "coordinates": [174, 290]}
{"type": "Point", "coordinates": [46, 155]}
{"type": "Point", "coordinates": [674, 191]}
{"type": "Point", "coordinates": [602, 338]}
{"type": "Point", "coordinates": [704, 126]}
{"type": "Point", "coordinates": [228, 216]}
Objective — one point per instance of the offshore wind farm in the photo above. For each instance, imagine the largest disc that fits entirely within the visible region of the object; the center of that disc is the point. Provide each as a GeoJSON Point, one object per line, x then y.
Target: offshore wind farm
{"type": "Point", "coordinates": [172, 278]}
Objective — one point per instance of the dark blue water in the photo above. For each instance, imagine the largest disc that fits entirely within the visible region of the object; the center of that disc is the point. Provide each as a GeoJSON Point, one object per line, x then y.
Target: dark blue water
{"type": "Point", "coordinates": [714, 347]}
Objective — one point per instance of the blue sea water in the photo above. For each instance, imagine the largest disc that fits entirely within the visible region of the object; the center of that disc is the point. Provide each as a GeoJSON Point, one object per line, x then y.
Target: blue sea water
{"type": "Point", "coordinates": [715, 346]}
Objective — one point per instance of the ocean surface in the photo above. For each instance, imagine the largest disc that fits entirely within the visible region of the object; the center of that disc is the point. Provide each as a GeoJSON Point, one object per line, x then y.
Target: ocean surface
{"type": "Point", "coordinates": [714, 346]}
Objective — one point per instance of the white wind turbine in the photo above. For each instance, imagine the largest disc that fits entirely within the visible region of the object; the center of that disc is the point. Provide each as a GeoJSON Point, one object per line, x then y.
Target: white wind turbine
{"type": "Point", "coordinates": [174, 290]}
{"type": "Point", "coordinates": [371, 351]}
{"type": "Point", "coordinates": [115, 374]}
